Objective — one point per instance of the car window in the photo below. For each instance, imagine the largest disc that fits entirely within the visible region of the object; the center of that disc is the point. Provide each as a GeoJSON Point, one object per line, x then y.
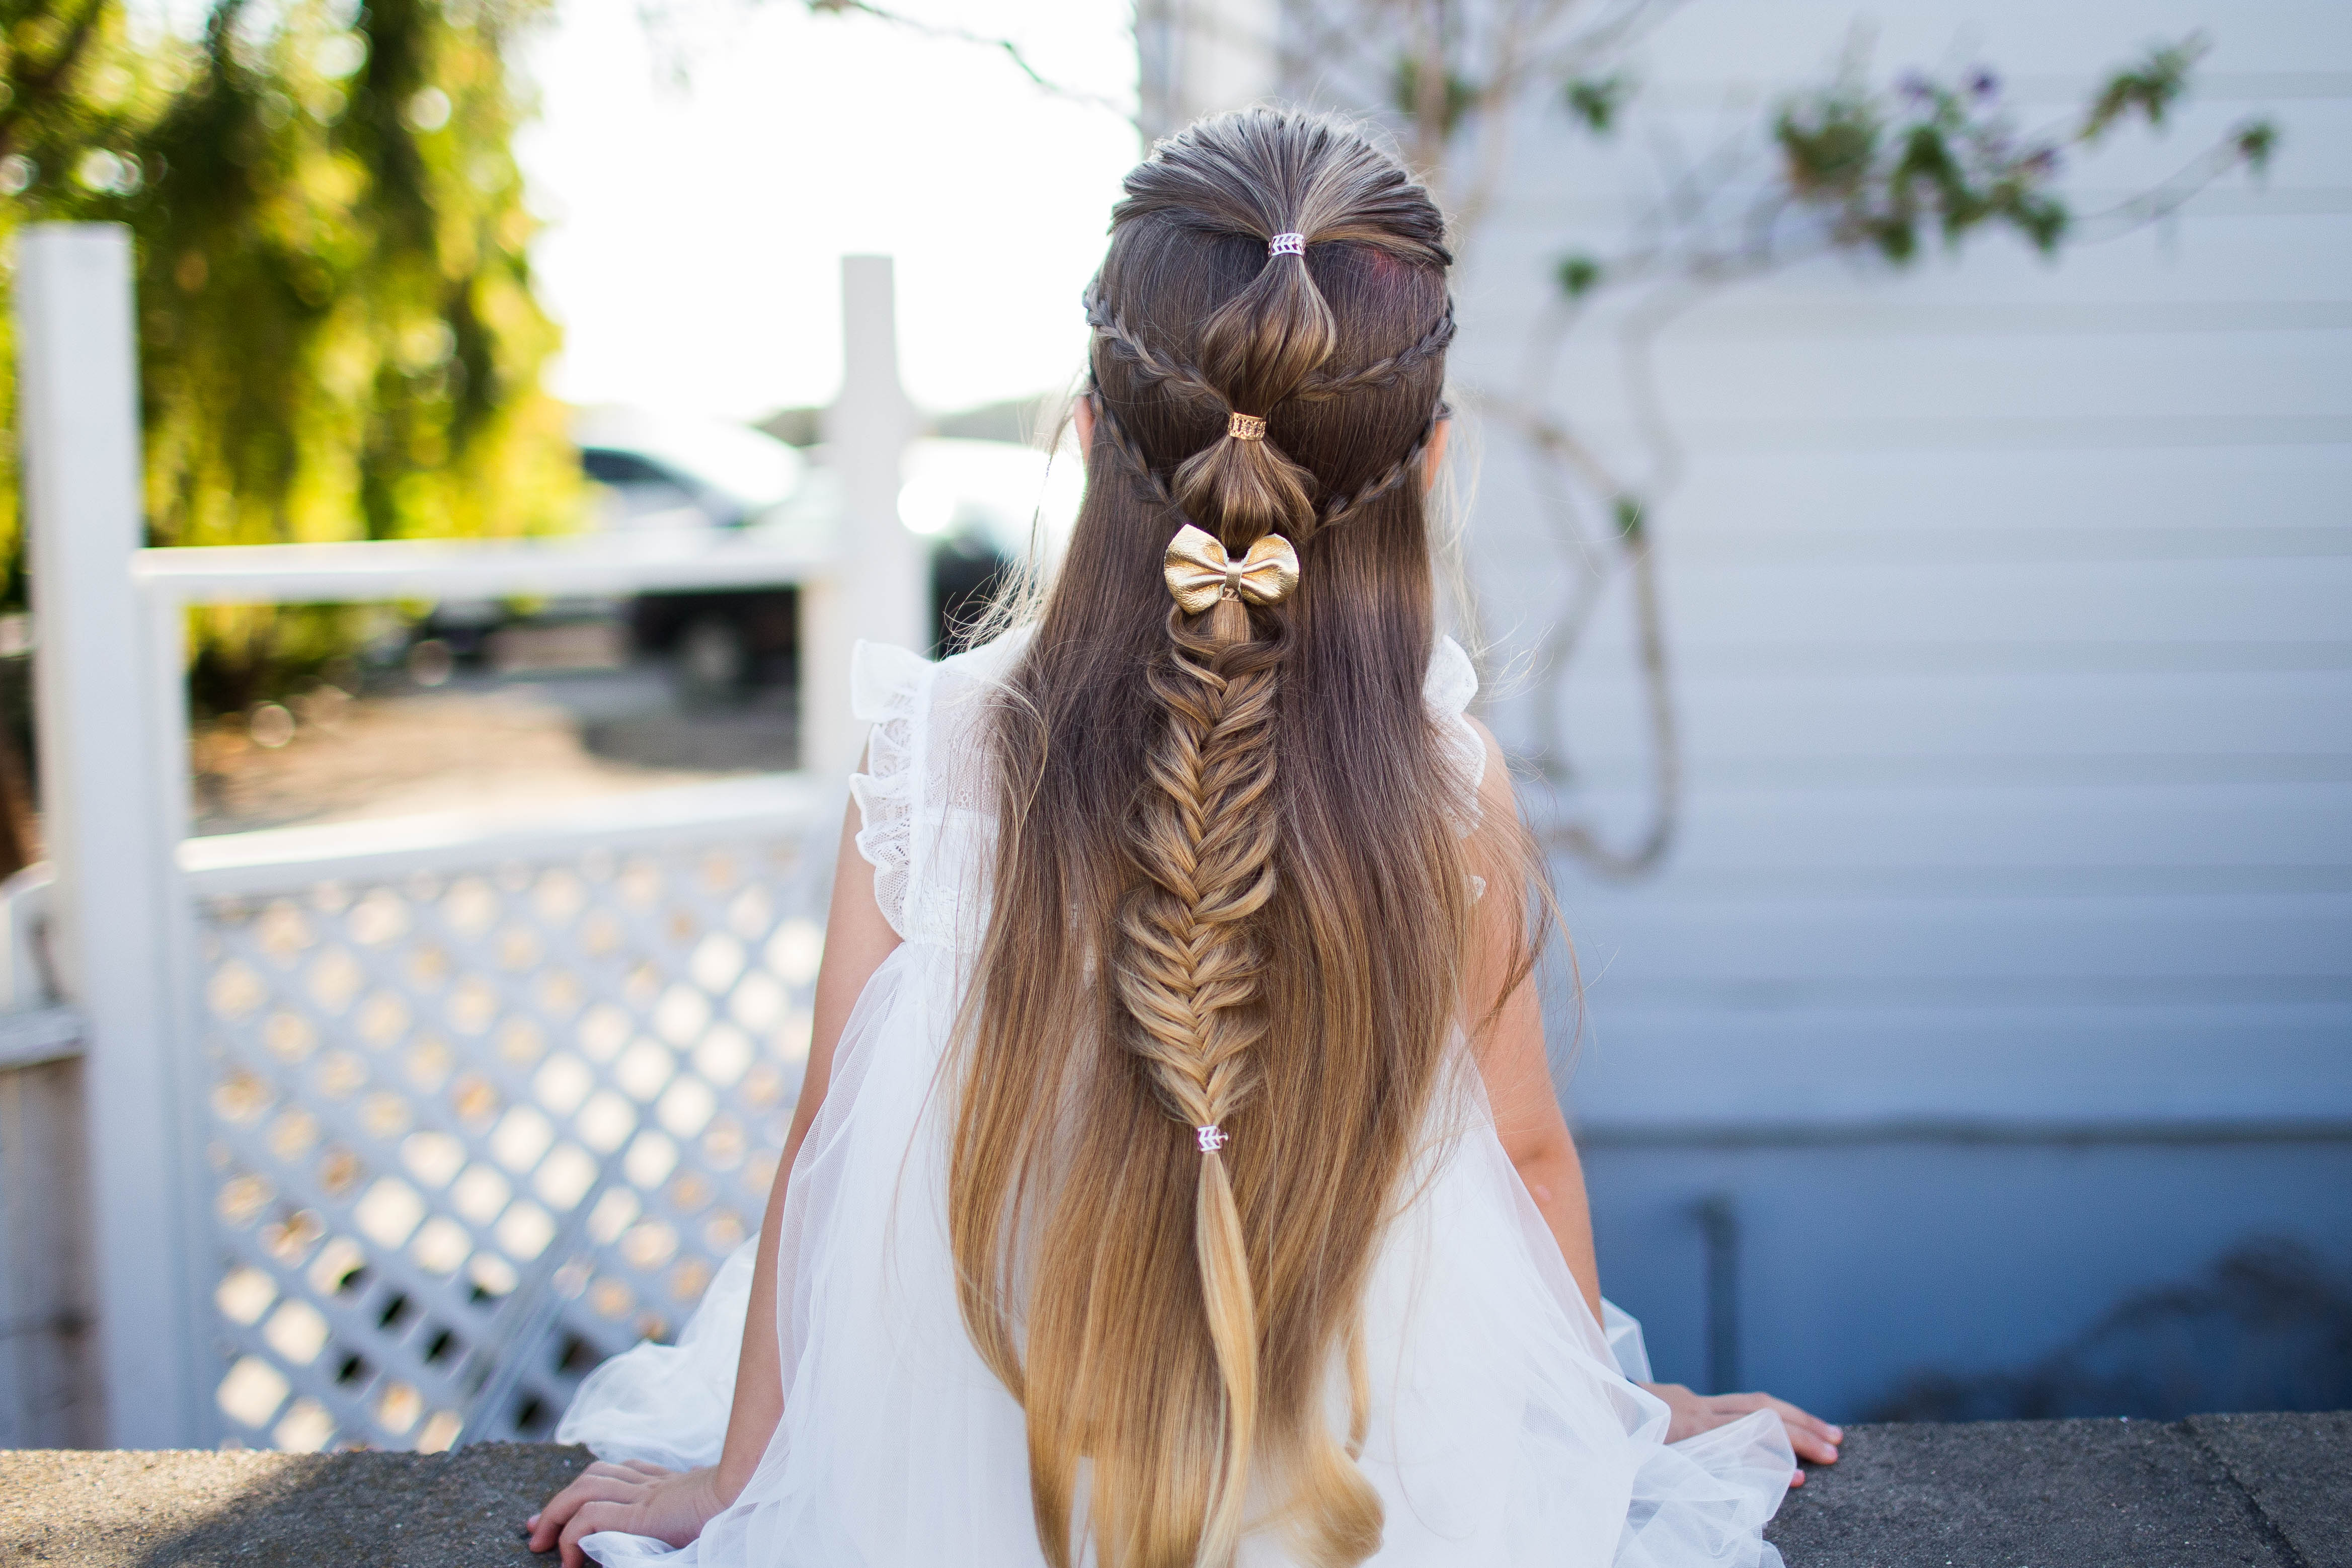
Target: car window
{"type": "Point", "coordinates": [611, 467]}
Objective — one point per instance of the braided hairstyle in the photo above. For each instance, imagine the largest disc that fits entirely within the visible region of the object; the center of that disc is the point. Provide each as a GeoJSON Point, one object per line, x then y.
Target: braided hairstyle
{"type": "Point", "coordinates": [1230, 900]}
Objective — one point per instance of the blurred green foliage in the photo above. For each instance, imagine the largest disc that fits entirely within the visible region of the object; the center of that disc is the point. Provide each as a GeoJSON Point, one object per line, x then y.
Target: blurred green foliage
{"type": "Point", "coordinates": [1892, 168]}
{"type": "Point", "coordinates": [338, 335]}
{"type": "Point", "coordinates": [1887, 168]}
{"type": "Point", "coordinates": [1597, 100]}
{"type": "Point", "coordinates": [1454, 96]}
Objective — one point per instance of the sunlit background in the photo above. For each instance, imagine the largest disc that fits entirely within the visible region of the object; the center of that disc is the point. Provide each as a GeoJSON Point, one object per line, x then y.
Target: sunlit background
{"type": "Point", "coordinates": [700, 179]}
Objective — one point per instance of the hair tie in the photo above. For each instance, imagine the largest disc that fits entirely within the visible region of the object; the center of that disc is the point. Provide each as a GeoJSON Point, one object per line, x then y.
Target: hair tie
{"type": "Point", "coordinates": [1286, 244]}
{"type": "Point", "coordinates": [1246, 427]}
{"type": "Point", "coordinates": [1212, 1137]}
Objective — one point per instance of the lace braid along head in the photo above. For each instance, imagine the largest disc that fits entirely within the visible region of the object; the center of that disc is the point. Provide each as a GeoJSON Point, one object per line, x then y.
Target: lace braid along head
{"type": "Point", "coordinates": [1227, 850]}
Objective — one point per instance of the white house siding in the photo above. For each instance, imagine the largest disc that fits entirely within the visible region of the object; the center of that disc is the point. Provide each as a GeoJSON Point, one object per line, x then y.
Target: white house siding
{"type": "Point", "coordinates": [2003, 966]}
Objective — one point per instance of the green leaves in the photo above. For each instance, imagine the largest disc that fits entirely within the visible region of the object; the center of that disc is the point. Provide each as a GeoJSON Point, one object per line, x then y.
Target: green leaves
{"type": "Point", "coordinates": [2256, 143]}
{"type": "Point", "coordinates": [338, 335]}
{"type": "Point", "coordinates": [1596, 101]}
{"type": "Point", "coordinates": [1930, 158]}
{"type": "Point", "coordinates": [1629, 516]}
{"type": "Point", "coordinates": [2149, 87]}
{"type": "Point", "coordinates": [1830, 143]}
{"type": "Point", "coordinates": [1577, 275]}
{"type": "Point", "coordinates": [1455, 99]}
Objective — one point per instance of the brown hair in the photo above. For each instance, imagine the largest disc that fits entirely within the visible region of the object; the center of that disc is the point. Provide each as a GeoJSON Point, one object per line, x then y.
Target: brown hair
{"type": "Point", "coordinates": [1230, 888]}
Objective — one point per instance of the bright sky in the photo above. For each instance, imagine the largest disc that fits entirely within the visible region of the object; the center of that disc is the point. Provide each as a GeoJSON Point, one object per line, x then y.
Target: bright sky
{"type": "Point", "coordinates": [695, 230]}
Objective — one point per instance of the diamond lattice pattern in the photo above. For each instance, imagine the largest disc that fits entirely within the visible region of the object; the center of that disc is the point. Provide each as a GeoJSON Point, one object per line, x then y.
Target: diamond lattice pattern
{"type": "Point", "coordinates": [471, 1133]}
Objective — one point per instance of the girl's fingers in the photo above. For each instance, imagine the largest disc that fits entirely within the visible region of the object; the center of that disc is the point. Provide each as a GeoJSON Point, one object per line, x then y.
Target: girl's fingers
{"type": "Point", "coordinates": [548, 1522]}
{"type": "Point", "coordinates": [1807, 1420]}
{"type": "Point", "coordinates": [593, 1517]}
{"type": "Point", "coordinates": [1812, 1437]}
{"type": "Point", "coordinates": [1818, 1450]}
{"type": "Point", "coordinates": [599, 1468]}
{"type": "Point", "coordinates": [586, 1488]}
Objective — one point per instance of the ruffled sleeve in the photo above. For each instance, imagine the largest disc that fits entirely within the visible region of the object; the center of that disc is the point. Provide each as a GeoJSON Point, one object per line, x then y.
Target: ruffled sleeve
{"type": "Point", "coordinates": [1452, 682]}
{"type": "Point", "coordinates": [887, 688]}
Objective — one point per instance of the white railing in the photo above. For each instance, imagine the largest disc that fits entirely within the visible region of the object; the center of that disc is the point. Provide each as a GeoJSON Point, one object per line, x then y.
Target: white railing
{"type": "Point", "coordinates": [394, 1128]}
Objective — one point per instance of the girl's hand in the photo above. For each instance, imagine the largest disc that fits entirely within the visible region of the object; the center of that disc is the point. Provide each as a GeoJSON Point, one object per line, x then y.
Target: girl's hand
{"type": "Point", "coordinates": [1812, 1437]}
{"type": "Point", "coordinates": [671, 1506]}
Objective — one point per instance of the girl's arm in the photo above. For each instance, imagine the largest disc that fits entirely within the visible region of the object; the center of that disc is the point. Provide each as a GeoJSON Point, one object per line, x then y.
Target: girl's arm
{"type": "Point", "coordinates": [645, 1500]}
{"type": "Point", "coordinates": [1535, 1135]}
{"type": "Point", "coordinates": [1509, 1034]}
{"type": "Point", "coordinates": [856, 940]}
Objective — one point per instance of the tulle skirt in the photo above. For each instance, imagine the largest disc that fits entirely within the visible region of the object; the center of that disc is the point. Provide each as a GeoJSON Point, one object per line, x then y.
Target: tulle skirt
{"type": "Point", "coordinates": [1503, 1431]}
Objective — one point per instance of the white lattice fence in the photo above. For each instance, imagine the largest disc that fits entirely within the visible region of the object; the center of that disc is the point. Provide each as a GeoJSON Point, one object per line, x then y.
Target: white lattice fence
{"type": "Point", "coordinates": [483, 1113]}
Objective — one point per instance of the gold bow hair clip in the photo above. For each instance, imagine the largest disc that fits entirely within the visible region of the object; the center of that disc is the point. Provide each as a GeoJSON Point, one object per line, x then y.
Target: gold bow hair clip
{"type": "Point", "coordinates": [1199, 573]}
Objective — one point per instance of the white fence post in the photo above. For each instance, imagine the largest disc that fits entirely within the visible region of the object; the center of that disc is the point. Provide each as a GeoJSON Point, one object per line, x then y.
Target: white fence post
{"type": "Point", "coordinates": [881, 589]}
{"type": "Point", "coordinates": [117, 889]}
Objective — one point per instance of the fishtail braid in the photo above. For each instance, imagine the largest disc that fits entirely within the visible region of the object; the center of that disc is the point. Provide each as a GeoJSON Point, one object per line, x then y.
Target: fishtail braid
{"type": "Point", "coordinates": [1203, 840]}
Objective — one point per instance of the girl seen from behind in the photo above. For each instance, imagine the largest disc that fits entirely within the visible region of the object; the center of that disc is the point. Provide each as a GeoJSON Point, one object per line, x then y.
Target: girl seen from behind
{"type": "Point", "coordinates": [1178, 1180]}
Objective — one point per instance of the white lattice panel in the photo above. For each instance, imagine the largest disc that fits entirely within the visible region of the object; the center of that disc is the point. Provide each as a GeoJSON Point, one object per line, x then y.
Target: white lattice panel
{"type": "Point", "coordinates": [472, 1127]}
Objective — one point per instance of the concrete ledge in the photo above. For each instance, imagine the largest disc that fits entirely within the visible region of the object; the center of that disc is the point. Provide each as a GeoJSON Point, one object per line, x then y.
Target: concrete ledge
{"type": "Point", "coordinates": [2213, 1491]}
{"type": "Point", "coordinates": [166, 1508]}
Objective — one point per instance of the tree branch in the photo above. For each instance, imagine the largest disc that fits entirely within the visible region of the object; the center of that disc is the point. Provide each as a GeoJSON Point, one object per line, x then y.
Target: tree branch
{"type": "Point", "coordinates": [1006, 47]}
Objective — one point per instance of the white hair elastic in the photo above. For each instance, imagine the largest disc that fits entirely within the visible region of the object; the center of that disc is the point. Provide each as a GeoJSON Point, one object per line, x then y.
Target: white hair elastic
{"type": "Point", "coordinates": [1212, 1137]}
{"type": "Point", "coordinates": [1286, 244]}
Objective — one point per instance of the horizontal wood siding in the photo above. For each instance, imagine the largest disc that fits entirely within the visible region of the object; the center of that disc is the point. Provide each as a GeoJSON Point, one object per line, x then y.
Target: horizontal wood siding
{"type": "Point", "coordinates": [2009, 610]}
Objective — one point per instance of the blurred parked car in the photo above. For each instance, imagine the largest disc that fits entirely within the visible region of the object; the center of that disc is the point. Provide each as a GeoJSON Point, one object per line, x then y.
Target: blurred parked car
{"type": "Point", "coordinates": [660, 471]}
{"type": "Point", "coordinates": [978, 501]}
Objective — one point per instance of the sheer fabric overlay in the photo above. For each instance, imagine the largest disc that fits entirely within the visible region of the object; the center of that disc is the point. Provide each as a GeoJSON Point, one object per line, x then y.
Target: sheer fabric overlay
{"type": "Point", "coordinates": [1504, 1431]}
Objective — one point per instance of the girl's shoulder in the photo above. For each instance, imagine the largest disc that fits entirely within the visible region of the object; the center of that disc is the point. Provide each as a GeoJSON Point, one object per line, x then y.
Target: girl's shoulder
{"type": "Point", "coordinates": [1453, 679]}
{"type": "Point", "coordinates": [887, 681]}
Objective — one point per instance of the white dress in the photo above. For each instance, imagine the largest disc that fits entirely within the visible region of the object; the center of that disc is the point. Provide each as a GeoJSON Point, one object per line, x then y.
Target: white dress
{"type": "Point", "coordinates": [1504, 1429]}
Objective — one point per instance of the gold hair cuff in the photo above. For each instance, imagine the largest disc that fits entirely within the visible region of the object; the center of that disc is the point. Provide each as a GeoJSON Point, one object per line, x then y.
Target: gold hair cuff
{"type": "Point", "coordinates": [1246, 427]}
{"type": "Point", "coordinates": [1199, 573]}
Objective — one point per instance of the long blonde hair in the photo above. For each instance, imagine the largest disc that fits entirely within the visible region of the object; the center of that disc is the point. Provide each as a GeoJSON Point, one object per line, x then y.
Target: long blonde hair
{"type": "Point", "coordinates": [1230, 889]}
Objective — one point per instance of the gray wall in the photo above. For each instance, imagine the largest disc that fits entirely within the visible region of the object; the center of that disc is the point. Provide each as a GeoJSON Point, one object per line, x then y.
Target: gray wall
{"type": "Point", "coordinates": [2003, 967]}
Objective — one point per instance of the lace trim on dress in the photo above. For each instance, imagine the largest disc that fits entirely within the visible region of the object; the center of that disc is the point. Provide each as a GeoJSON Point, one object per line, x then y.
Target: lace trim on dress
{"type": "Point", "coordinates": [887, 688]}
{"type": "Point", "coordinates": [1452, 682]}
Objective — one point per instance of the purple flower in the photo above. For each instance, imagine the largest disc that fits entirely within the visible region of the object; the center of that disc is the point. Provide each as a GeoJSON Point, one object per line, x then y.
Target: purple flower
{"type": "Point", "coordinates": [1915, 87]}
{"type": "Point", "coordinates": [1983, 83]}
